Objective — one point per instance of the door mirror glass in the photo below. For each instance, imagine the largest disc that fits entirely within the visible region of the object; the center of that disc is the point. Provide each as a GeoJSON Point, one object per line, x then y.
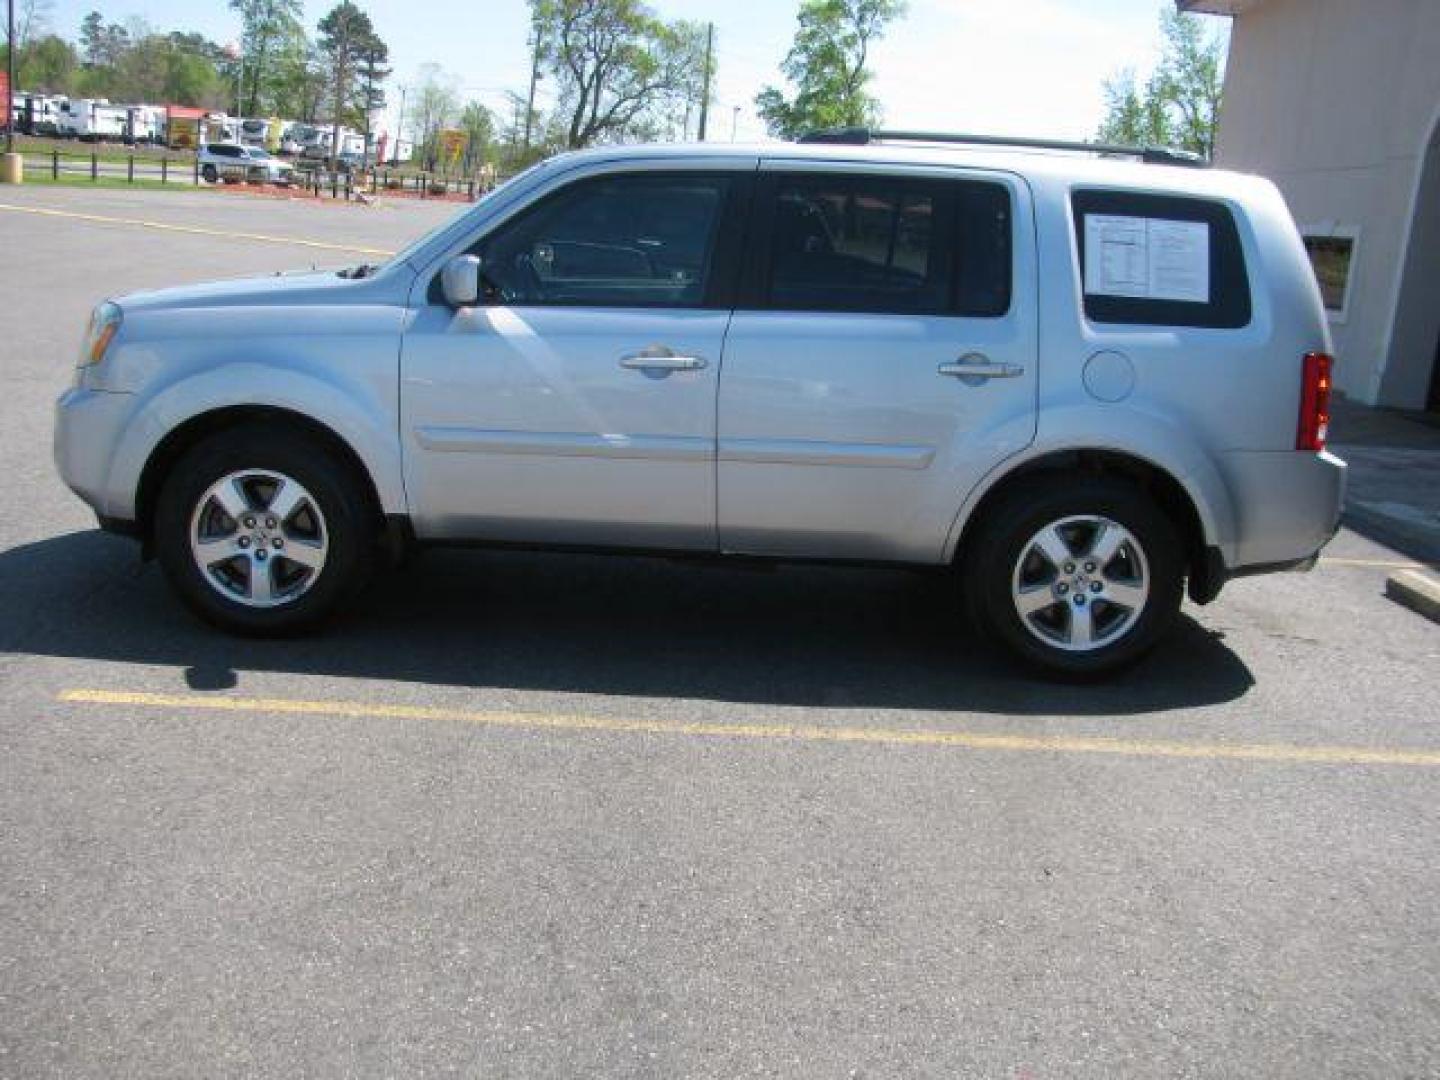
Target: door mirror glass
{"type": "Point", "coordinates": [460, 281]}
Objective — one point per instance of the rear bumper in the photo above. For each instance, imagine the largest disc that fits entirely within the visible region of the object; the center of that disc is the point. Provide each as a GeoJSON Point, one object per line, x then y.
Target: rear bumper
{"type": "Point", "coordinates": [1287, 507]}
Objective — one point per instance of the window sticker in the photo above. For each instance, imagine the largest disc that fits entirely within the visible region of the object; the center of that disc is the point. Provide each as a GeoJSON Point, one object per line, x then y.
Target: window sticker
{"type": "Point", "coordinates": [1147, 258]}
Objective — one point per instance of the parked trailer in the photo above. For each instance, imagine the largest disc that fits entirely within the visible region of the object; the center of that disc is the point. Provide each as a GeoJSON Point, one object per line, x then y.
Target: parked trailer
{"type": "Point", "coordinates": [187, 128]}
{"type": "Point", "coordinates": [38, 114]}
{"type": "Point", "coordinates": [253, 132]}
{"type": "Point", "coordinates": [296, 137]}
{"type": "Point", "coordinates": [394, 151]}
{"type": "Point", "coordinates": [93, 119]}
{"type": "Point", "coordinates": [145, 124]}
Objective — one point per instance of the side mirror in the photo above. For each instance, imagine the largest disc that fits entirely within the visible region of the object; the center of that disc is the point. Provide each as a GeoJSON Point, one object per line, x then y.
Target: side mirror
{"type": "Point", "coordinates": [460, 281]}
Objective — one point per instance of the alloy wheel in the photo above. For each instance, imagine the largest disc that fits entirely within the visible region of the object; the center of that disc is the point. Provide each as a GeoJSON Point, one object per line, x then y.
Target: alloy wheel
{"type": "Point", "coordinates": [259, 538]}
{"type": "Point", "coordinates": [1081, 583]}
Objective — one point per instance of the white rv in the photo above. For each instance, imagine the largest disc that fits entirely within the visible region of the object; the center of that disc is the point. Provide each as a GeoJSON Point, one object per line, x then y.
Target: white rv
{"type": "Point", "coordinates": [254, 132]}
{"type": "Point", "coordinates": [38, 114]}
{"type": "Point", "coordinates": [93, 119]}
{"type": "Point", "coordinates": [297, 137]}
{"type": "Point", "coordinates": [145, 124]}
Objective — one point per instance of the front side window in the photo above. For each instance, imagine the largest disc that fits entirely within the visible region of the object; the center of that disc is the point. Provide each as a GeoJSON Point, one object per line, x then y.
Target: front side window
{"type": "Point", "coordinates": [628, 241]}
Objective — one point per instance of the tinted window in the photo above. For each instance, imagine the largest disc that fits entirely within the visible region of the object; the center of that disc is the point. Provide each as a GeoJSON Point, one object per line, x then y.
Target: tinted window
{"type": "Point", "coordinates": [1170, 261]}
{"type": "Point", "coordinates": [853, 243]}
{"type": "Point", "coordinates": [617, 242]}
{"type": "Point", "coordinates": [856, 244]}
{"type": "Point", "coordinates": [983, 262]}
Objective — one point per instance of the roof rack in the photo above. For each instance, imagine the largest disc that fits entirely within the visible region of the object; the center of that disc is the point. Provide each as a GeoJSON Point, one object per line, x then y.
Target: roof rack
{"type": "Point", "coordinates": [863, 136]}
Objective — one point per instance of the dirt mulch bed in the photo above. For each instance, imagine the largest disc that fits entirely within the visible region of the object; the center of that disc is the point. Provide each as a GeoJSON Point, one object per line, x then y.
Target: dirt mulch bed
{"type": "Point", "coordinates": [360, 196]}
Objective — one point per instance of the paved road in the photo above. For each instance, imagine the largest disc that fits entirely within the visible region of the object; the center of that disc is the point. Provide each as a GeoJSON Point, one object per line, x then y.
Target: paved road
{"type": "Point", "coordinates": [543, 816]}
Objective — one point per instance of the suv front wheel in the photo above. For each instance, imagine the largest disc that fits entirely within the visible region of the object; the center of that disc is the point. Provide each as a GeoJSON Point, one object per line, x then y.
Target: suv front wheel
{"type": "Point", "coordinates": [264, 531]}
{"type": "Point", "coordinates": [1078, 577]}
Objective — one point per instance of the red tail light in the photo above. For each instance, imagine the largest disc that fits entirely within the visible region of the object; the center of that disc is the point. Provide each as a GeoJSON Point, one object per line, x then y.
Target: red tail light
{"type": "Point", "coordinates": [1314, 403]}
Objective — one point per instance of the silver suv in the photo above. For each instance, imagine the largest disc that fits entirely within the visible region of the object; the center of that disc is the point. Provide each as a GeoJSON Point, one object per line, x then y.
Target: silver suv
{"type": "Point", "coordinates": [231, 161]}
{"type": "Point", "coordinates": [1079, 382]}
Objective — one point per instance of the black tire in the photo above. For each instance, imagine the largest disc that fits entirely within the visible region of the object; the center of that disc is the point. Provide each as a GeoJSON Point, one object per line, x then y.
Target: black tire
{"type": "Point", "coordinates": [351, 526]}
{"type": "Point", "coordinates": [989, 562]}
{"type": "Point", "coordinates": [209, 173]}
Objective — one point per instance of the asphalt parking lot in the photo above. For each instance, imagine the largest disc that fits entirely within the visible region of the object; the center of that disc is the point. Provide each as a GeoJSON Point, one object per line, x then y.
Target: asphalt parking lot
{"type": "Point", "coordinates": [525, 815]}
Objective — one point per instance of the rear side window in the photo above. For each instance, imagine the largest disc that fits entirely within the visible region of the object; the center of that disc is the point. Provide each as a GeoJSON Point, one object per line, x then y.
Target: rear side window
{"type": "Point", "coordinates": [1160, 260]}
{"type": "Point", "coordinates": [887, 244]}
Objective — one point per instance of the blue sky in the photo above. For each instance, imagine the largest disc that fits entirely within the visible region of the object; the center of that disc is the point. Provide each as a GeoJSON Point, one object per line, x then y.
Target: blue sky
{"type": "Point", "coordinates": [1020, 67]}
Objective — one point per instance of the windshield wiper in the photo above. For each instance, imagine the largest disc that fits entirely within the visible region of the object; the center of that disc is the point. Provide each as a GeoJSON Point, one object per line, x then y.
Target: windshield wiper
{"type": "Point", "coordinates": [364, 270]}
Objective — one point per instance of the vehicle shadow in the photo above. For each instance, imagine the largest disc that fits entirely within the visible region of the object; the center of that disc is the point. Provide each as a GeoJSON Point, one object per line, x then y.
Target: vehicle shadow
{"type": "Point", "coordinates": [815, 636]}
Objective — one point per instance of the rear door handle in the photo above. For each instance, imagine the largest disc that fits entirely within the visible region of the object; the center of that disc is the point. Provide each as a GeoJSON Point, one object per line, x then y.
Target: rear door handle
{"type": "Point", "coordinates": [981, 369]}
{"type": "Point", "coordinates": [657, 360]}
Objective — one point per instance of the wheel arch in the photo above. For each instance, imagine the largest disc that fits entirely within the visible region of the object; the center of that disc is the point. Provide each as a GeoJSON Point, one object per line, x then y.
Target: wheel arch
{"type": "Point", "coordinates": [204, 425]}
{"type": "Point", "coordinates": [1190, 512]}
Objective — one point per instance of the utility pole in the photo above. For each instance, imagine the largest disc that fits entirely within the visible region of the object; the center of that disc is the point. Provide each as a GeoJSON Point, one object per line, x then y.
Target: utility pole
{"type": "Point", "coordinates": [10, 77]}
{"type": "Point", "coordinates": [399, 126]}
{"type": "Point", "coordinates": [705, 95]}
{"type": "Point", "coordinates": [534, 78]}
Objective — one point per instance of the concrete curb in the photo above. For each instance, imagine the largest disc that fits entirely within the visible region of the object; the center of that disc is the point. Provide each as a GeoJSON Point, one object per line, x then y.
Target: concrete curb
{"type": "Point", "coordinates": [1417, 591]}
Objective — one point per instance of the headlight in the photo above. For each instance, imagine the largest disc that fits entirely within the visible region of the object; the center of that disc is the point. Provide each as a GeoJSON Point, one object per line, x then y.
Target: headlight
{"type": "Point", "coordinates": [104, 322]}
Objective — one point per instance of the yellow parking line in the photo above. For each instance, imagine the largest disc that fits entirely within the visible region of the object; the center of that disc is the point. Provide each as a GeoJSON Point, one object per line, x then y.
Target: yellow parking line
{"type": "Point", "coordinates": [1071, 744]}
{"type": "Point", "coordinates": [197, 230]}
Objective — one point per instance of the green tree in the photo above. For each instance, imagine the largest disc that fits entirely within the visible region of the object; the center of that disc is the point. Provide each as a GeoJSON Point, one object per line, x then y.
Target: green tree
{"type": "Point", "coordinates": [32, 22]}
{"type": "Point", "coordinates": [191, 78]}
{"type": "Point", "coordinates": [300, 81]}
{"type": "Point", "coordinates": [92, 38]}
{"type": "Point", "coordinates": [1135, 116]}
{"type": "Point", "coordinates": [265, 27]}
{"type": "Point", "coordinates": [479, 127]}
{"type": "Point", "coordinates": [1179, 105]}
{"type": "Point", "coordinates": [345, 33]}
{"type": "Point", "coordinates": [826, 65]}
{"type": "Point", "coordinates": [104, 47]}
{"type": "Point", "coordinates": [436, 102]}
{"type": "Point", "coordinates": [545, 136]}
{"type": "Point", "coordinates": [181, 68]}
{"type": "Point", "coordinates": [47, 64]}
{"type": "Point", "coordinates": [371, 74]}
{"type": "Point", "coordinates": [617, 66]}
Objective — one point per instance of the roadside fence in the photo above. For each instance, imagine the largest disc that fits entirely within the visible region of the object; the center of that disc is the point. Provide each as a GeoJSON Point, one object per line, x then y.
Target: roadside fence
{"type": "Point", "coordinates": [186, 169]}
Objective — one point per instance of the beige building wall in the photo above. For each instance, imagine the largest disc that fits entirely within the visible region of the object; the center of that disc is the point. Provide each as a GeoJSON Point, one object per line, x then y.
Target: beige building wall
{"type": "Point", "coordinates": [1337, 102]}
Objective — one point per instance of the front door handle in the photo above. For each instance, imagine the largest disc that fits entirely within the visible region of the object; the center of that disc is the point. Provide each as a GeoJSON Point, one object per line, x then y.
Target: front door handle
{"type": "Point", "coordinates": [981, 369]}
{"type": "Point", "coordinates": [661, 360]}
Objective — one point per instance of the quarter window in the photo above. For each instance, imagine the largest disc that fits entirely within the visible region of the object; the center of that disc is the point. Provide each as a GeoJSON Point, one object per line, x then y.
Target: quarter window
{"type": "Point", "coordinates": [615, 242]}
{"type": "Point", "coordinates": [1160, 260]}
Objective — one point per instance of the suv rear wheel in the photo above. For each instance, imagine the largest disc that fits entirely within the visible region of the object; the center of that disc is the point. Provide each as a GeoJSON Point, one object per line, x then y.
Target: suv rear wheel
{"type": "Point", "coordinates": [263, 531]}
{"type": "Point", "coordinates": [1080, 578]}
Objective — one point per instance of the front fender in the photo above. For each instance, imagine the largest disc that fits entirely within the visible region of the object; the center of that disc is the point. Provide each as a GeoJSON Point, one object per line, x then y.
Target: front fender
{"type": "Point", "coordinates": [362, 415]}
{"type": "Point", "coordinates": [1147, 436]}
